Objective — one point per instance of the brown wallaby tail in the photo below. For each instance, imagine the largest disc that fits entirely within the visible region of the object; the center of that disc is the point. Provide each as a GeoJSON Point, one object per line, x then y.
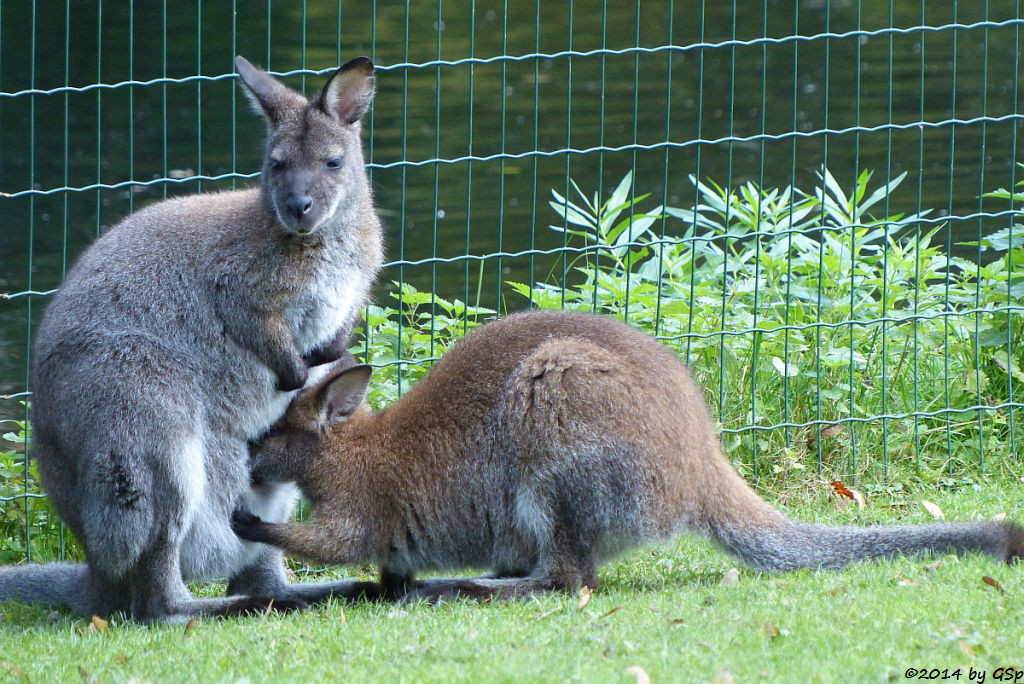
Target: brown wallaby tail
{"type": "Point", "coordinates": [783, 544]}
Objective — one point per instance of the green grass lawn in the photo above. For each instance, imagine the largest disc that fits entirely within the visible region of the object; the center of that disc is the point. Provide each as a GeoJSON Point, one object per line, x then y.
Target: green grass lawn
{"type": "Point", "coordinates": [664, 609]}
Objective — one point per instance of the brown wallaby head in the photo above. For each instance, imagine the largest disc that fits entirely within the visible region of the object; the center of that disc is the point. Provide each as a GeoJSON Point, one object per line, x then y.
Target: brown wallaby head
{"type": "Point", "coordinates": [330, 400]}
{"type": "Point", "coordinates": [317, 408]}
{"type": "Point", "coordinates": [313, 169]}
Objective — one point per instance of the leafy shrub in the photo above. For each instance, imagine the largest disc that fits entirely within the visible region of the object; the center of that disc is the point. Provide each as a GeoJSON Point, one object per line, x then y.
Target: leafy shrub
{"type": "Point", "coordinates": [26, 509]}
{"type": "Point", "coordinates": [826, 336]}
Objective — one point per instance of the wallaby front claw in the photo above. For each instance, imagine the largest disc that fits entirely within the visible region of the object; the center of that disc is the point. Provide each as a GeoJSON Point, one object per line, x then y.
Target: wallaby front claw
{"type": "Point", "coordinates": [292, 378]}
{"type": "Point", "coordinates": [248, 526]}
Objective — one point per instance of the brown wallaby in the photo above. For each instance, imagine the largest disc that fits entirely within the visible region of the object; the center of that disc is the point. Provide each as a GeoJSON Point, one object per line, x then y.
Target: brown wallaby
{"type": "Point", "coordinates": [539, 446]}
{"type": "Point", "coordinates": [175, 340]}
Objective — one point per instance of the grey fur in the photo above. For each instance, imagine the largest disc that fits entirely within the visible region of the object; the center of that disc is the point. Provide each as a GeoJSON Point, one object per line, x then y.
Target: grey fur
{"type": "Point", "coordinates": [539, 446]}
{"type": "Point", "coordinates": [175, 340]}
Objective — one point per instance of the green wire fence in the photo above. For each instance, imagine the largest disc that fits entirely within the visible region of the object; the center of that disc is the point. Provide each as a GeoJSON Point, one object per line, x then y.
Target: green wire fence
{"type": "Point", "coordinates": [817, 205]}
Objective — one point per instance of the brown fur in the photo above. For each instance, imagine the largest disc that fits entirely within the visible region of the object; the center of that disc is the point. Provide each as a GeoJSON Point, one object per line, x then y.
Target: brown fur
{"type": "Point", "coordinates": [539, 446]}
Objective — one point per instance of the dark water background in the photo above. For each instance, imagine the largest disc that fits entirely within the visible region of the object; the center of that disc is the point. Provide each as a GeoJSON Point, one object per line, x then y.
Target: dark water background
{"type": "Point", "coordinates": [464, 154]}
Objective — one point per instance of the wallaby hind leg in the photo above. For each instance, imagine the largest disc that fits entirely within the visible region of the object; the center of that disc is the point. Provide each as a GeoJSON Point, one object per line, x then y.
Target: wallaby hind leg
{"type": "Point", "coordinates": [566, 562]}
{"type": "Point", "coordinates": [159, 594]}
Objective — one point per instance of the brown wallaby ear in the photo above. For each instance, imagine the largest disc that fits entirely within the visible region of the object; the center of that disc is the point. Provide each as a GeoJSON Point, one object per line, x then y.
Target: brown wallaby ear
{"type": "Point", "coordinates": [349, 92]}
{"type": "Point", "coordinates": [342, 394]}
{"type": "Point", "coordinates": [267, 94]}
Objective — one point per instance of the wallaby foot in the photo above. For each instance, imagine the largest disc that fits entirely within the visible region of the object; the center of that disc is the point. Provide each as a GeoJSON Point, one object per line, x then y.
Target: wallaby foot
{"type": "Point", "coordinates": [484, 589]}
{"type": "Point", "coordinates": [257, 605]}
{"type": "Point", "coordinates": [565, 577]}
{"type": "Point", "coordinates": [395, 585]}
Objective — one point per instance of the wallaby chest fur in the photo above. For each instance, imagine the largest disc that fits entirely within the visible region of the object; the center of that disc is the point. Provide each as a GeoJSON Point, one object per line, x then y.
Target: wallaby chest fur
{"type": "Point", "coordinates": [539, 446]}
{"type": "Point", "coordinates": [176, 338]}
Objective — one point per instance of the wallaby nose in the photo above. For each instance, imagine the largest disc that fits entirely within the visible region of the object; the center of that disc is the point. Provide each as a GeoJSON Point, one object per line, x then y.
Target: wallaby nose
{"type": "Point", "coordinates": [299, 206]}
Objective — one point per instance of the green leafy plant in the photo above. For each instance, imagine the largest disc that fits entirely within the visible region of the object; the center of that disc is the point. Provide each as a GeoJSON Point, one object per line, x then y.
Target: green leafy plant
{"type": "Point", "coordinates": [403, 342]}
{"type": "Point", "coordinates": [825, 334]}
{"type": "Point", "coordinates": [26, 518]}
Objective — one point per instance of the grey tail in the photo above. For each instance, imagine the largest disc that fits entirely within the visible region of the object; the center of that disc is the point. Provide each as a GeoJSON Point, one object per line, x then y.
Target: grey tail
{"type": "Point", "coordinates": [55, 584]}
{"type": "Point", "coordinates": [777, 543]}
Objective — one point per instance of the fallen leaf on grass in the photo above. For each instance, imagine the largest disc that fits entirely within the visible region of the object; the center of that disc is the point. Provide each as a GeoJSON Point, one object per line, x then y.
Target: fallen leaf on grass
{"type": "Point", "coordinates": [841, 490]}
{"type": "Point", "coordinates": [11, 669]}
{"type": "Point", "coordinates": [771, 630]}
{"type": "Point", "coordinates": [121, 659]}
{"type": "Point", "coordinates": [933, 566]}
{"type": "Point", "coordinates": [731, 577]}
{"type": "Point", "coordinates": [845, 492]}
{"type": "Point", "coordinates": [998, 517]}
{"type": "Point", "coordinates": [585, 594]}
{"type": "Point", "coordinates": [82, 673]}
{"type": "Point", "coordinates": [723, 677]}
{"type": "Point", "coordinates": [677, 622]}
{"type": "Point", "coordinates": [837, 591]}
{"type": "Point", "coordinates": [616, 609]}
{"type": "Point", "coordinates": [934, 510]}
{"type": "Point", "coordinates": [342, 617]}
{"type": "Point", "coordinates": [966, 648]}
{"type": "Point", "coordinates": [191, 625]}
{"type": "Point", "coordinates": [992, 582]}
{"type": "Point", "coordinates": [639, 673]}
{"type": "Point", "coordinates": [904, 582]}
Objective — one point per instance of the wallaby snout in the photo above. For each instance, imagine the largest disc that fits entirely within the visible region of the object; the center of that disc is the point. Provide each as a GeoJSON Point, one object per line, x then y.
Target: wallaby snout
{"type": "Point", "coordinates": [299, 206]}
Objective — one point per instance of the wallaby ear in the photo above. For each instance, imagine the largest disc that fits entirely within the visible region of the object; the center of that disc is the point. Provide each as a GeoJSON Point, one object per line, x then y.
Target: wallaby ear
{"type": "Point", "coordinates": [343, 394]}
{"type": "Point", "coordinates": [349, 92]}
{"type": "Point", "coordinates": [267, 94]}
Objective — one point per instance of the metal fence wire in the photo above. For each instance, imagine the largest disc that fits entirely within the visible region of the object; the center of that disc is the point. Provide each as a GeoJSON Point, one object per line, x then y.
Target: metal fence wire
{"type": "Point", "coordinates": [816, 204]}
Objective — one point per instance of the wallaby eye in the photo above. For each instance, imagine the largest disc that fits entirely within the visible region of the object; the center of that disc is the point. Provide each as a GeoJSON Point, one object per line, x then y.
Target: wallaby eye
{"type": "Point", "coordinates": [276, 165]}
{"type": "Point", "coordinates": [335, 162]}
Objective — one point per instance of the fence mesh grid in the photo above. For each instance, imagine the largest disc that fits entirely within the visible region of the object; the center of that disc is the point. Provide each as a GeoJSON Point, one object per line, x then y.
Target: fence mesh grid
{"type": "Point", "coordinates": [813, 203]}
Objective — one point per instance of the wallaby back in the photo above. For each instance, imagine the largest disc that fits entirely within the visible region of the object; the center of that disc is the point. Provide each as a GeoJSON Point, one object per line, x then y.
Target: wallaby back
{"type": "Point", "coordinates": [541, 445]}
{"type": "Point", "coordinates": [175, 339]}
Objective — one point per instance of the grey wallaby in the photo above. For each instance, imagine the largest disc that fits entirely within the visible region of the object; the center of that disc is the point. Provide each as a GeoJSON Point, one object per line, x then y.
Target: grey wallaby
{"type": "Point", "coordinates": [175, 340]}
{"type": "Point", "coordinates": [539, 446]}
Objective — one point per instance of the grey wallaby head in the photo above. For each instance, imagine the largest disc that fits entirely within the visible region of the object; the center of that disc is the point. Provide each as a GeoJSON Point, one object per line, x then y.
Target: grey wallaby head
{"type": "Point", "coordinates": [313, 168]}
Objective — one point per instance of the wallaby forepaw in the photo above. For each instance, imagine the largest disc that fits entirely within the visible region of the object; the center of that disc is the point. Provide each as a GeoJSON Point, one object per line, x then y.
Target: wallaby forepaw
{"type": "Point", "coordinates": [248, 526]}
{"type": "Point", "coordinates": [292, 378]}
{"type": "Point", "coordinates": [329, 354]}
